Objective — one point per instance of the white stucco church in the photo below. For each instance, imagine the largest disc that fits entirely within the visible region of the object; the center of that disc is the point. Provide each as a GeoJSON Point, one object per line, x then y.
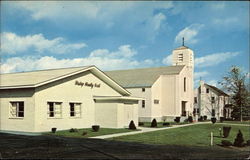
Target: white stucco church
{"type": "Point", "coordinates": [167, 91]}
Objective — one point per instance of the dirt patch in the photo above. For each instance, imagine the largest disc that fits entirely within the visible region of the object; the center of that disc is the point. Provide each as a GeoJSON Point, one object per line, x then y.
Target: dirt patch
{"type": "Point", "coordinates": [19, 146]}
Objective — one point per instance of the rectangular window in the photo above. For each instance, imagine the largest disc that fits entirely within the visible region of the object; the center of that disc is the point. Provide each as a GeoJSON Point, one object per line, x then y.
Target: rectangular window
{"type": "Point", "coordinates": [143, 104]}
{"type": "Point", "coordinates": [17, 109]}
{"type": "Point", "coordinates": [195, 99]}
{"type": "Point", "coordinates": [55, 109]}
{"type": "Point", "coordinates": [156, 101]}
{"type": "Point", "coordinates": [75, 109]}
{"type": "Point", "coordinates": [180, 57]}
{"type": "Point", "coordinates": [207, 90]}
{"type": "Point", "coordinates": [198, 110]}
{"type": "Point", "coordinates": [184, 84]}
{"type": "Point", "coordinates": [213, 99]}
{"type": "Point", "coordinates": [143, 89]}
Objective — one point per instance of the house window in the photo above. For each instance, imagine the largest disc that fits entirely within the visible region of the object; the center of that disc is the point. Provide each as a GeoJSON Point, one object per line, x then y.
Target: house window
{"type": "Point", "coordinates": [213, 99]}
{"type": "Point", "coordinates": [143, 89]}
{"type": "Point", "coordinates": [198, 110]}
{"type": "Point", "coordinates": [55, 109]}
{"type": "Point", "coordinates": [75, 109]}
{"type": "Point", "coordinates": [156, 101]}
{"type": "Point", "coordinates": [180, 57]}
{"type": "Point", "coordinates": [195, 99]}
{"type": "Point", "coordinates": [143, 104]}
{"type": "Point", "coordinates": [207, 90]}
{"type": "Point", "coordinates": [17, 109]}
{"type": "Point", "coordinates": [184, 84]}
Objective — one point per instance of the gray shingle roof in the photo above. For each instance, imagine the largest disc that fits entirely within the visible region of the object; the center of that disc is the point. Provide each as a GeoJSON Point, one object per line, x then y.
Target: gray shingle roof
{"type": "Point", "coordinates": [217, 90]}
{"type": "Point", "coordinates": [144, 77]}
{"type": "Point", "coordinates": [35, 77]}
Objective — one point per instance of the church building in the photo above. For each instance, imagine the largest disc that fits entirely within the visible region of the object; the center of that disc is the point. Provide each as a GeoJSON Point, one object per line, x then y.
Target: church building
{"type": "Point", "coordinates": [167, 91]}
{"type": "Point", "coordinates": [66, 98]}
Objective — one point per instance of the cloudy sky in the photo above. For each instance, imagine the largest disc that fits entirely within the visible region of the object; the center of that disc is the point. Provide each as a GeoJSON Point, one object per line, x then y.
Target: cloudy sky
{"type": "Point", "coordinates": [121, 35]}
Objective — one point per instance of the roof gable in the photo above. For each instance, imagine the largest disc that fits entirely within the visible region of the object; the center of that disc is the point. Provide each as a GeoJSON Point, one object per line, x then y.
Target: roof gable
{"type": "Point", "coordinates": [220, 92]}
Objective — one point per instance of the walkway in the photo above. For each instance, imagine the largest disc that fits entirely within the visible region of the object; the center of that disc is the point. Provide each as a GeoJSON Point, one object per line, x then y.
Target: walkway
{"type": "Point", "coordinates": [146, 129]}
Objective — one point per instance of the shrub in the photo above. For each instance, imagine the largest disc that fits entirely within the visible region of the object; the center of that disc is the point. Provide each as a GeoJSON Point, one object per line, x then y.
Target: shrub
{"type": "Point", "coordinates": [166, 124]}
{"type": "Point", "coordinates": [248, 143]}
{"type": "Point", "coordinates": [213, 120]}
{"type": "Point", "coordinates": [221, 119]}
{"type": "Point", "coordinates": [53, 130]}
{"type": "Point", "coordinates": [141, 124]}
{"type": "Point", "coordinates": [95, 128]}
{"type": "Point", "coordinates": [154, 123]}
{"type": "Point", "coordinates": [190, 119]}
{"type": "Point", "coordinates": [132, 125]}
{"type": "Point", "coordinates": [73, 130]}
{"type": "Point", "coordinates": [226, 143]}
{"type": "Point", "coordinates": [238, 141]}
{"type": "Point", "coordinates": [205, 118]}
{"type": "Point", "coordinates": [200, 119]}
{"type": "Point", "coordinates": [177, 119]}
{"type": "Point", "coordinates": [226, 131]}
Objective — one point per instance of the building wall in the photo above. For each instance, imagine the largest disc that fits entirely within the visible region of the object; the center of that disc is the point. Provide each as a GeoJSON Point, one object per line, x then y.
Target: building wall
{"type": "Point", "coordinates": [24, 124]}
{"type": "Point", "coordinates": [145, 114]}
{"type": "Point", "coordinates": [67, 91]}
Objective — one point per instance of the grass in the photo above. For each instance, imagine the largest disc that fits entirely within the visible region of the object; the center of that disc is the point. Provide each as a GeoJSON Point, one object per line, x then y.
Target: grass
{"type": "Point", "coordinates": [196, 135]}
{"type": "Point", "coordinates": [89, 131]}
{"type": "Point", "coordinates": [160, 124]}
{"type": "Point", "coordinates": [237, 122]}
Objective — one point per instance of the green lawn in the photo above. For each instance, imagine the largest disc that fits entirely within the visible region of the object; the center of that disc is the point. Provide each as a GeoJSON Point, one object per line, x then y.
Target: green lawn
{"type": "Point", "coordinates": [90, 133]}
{"type": "Point", "coordinates": [196, 135]}
{"type": "Point", "coordinates": [237, 122]}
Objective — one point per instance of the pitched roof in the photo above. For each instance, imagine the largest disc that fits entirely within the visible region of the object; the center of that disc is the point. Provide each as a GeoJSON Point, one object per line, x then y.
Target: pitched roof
{"type": "Point", "coordinates": [37, 78]}
{"type": "Point", "coordinates": [143, 77]}
{"type": "Point", "coordinates": [217, 90]}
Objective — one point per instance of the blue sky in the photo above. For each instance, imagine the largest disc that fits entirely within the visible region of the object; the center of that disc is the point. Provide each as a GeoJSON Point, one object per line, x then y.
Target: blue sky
{"type": "Point", "coordinates": [121, 35]}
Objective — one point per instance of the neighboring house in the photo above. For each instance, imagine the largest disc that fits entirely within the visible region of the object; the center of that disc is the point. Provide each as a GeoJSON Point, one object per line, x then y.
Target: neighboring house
{"type": "Point", "coordinates": [167, 91]}
{"type": "Point", "coordinates": [64, 98]}
{"type": "Point", "coordinates": [211, 102]}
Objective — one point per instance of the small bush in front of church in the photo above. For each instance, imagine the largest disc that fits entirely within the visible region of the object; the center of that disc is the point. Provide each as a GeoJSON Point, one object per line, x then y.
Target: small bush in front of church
{"type": "Point", "coordinates": [177, 119]}
{"type": "Point", "coordinates": [239, 140]}
{"type": "Point", "coordinates": [154, 123]}
{"type": "Point", "coordinates": [190, 119]}
{"type": "Point", "coordinates": [132, 125]}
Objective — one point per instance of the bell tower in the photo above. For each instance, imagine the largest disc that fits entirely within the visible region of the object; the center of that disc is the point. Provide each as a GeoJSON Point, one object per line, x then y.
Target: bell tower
{"type": "Point", "coordinates": [183, 56]}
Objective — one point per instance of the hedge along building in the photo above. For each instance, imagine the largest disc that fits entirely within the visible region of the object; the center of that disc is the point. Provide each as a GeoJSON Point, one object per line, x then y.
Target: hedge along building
{"type": "Point", "coordinates": [64, 98]}
{"type": "Point", "coordinates": [167, 91]}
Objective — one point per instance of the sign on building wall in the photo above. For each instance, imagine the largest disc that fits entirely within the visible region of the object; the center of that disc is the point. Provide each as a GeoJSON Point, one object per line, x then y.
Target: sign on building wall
{"type": "Point", "coordinates": [87, 84]}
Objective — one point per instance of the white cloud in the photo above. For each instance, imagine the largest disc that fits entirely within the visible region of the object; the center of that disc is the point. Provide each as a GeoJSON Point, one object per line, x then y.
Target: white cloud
{"type": "Point", "coordinates": [102, 58]}
{"type": "Point", "coordinates": [167, 60]}
{"type": "Point", "coordinates": [189, 33]}
{"type": "Point", "coordinates": [214, 59]}
{"type": "Point", "coordinates": [12, 44]}
{"type": "Point", "coordinates": [213, 83]}
{"type": "Point", "coordinates": [225, 21]}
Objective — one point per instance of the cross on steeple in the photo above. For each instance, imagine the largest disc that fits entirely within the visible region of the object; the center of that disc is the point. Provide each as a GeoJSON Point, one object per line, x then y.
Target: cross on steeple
{"type": "Point", "coordinates": [182, 41]}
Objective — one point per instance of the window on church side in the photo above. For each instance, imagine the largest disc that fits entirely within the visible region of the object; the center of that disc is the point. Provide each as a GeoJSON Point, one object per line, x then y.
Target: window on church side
{"type": "Point", "coordinates": [143, 104]}
{"type": "Point", "coordinates": [184, 84]}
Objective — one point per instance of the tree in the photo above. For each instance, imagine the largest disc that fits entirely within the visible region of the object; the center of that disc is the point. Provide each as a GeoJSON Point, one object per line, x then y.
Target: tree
{"type": "Point", "coordinates": [235, 83]}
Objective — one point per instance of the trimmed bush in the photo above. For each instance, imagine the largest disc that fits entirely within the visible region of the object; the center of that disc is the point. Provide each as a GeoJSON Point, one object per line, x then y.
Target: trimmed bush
{"type": "Point", "coordinates": [205, 118]}
{"type": "Point", "coordinates": [248, 143]}
{"type": "Point", "coordinates": [200, 119]}
{"type": "Point", "coordinates": [213, 120]}
{"type": "Point", "coordinates": [53, 130]}
{"type": "Point", "coordinates": [226, 143]}
{"type": "Point", "coordinates": [73, 130]}
{"type": "Point", "coordinates": [141, 124]}
{"type": "Point", "coordinates": [238, 141]}
{"type": "Point", "coordinates": [154, 123]}
{"type": "Point", "coordinates": [95, 128]}
{"type": "Point", "coordinates": [132, 125]}
{"type": "Point", "coordinates": [190, 119]}
{"type": "Point", "coordinates": [166, 124]}
{"type": "Point", "coordinates": [177, 119]}
{"type": "Point", "coordinates": [221, 119]}
{"type": "Point", "coordinates": [226, 131]}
